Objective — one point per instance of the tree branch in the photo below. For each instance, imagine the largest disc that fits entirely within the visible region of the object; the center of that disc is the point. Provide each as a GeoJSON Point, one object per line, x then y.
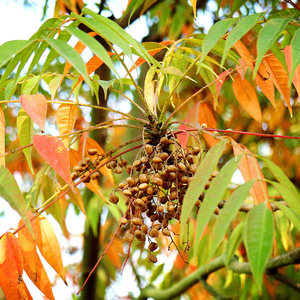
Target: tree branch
{"type": "Point", "coordinates": [177, 289]}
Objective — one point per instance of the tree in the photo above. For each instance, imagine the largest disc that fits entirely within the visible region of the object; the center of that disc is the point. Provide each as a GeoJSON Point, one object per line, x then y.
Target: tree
{"type": "Point", "coordinates": [202, 105]}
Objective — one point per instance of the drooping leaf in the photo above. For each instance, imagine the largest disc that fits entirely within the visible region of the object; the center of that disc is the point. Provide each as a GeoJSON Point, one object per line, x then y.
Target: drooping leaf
{"type": "Point", "coordinates": [280, 175]}
{"type": "Point", "coordinates": [296, 76]}
{"type": "Point", "coordinates": [250, 170]}
{"type": "Point", "coordinates": [242, 27]}
{"type": "Point", "coordinates": [266, 85]}
{"type": "Point", "coordinates": [194, 5]}
{"type": "Point", "coordinates": [2, 137]}
{"type": "Point", "coordinates": [213, 196]}
{"type": "Point", "coordinates": [32, 263]}
{"type": "Point", "coordinates": [149, 85]}
{"type": "Point", "coordinates": [10, 48]}
{"type": "Point", "coordinates": [70, 55]}
{"type": "Point", "coordinates": [245, 54]}
{"type": "Point", "coordinates": [258, 239]}
{"type": "Point", "coordinates": [11, 269]}
{"type": "Point", "coordinates": [234, 240]}
{"type": "Point", "coordinates": [280, 78]}
{"type": "Point", "coordinates": [25, 133]}
{"type": "Point", "coordinates": [206, 116]}
{"type": "Point", "coordinates": [220, 82]}
{"type": "Point", "coordinates": [11, 192]}
{"type": "Point", "coordinates": [55, 154]}
{"type": "Point", "coordinates": [214, 34]}
{"type": "Point", "coordinates": [49, 247]}
{"type": "Point", "coordinates": [196, 186]}
{"type": "Point", "coordinates": [291, 198]}
{"type": "Point", "coordinates": [36, 107]}
{"type": "Point", "coordinates": [290, 214]}
{"type": "Point", "coordinates": [65, 118]}
{"type": "Point", "coordinates": [267, 36]}
{"type": "Point", "coordinates": [295, 47]}
{"type": "Point", "coordinates": [227, 214]}
{"type": "Point", "coordinates": [246, 96]}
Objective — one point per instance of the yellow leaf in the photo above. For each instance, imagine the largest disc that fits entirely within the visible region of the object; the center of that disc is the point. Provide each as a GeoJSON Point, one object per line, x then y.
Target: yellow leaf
{"type": "Point", "coordinates": [65, 118]}
{"type": "Point", "coordinates": [194, 4]}
{"type": "Point", "coordinates": [2, 137]}
{"type": "Point", "coordinates": [250, 169]}
{"type": "Point", "coordinates": [49, 247]}
{"type": "Point", "coordinates": [246, 96]}
{"type": "Point", "coordinates": [32, 263]}
{"type": "Point", "coordinates": [280, 78]}
{"type": "Point", "coordinates": [149, 88]}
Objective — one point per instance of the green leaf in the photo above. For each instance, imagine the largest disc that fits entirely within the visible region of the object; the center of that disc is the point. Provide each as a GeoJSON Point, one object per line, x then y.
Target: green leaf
{"type": "Point", "coordinates": [213, 196]}
{"type": "Point", "coordinates": [290, 197]}
{"type": "Point", "coordinates": [94, 46]}
{"type": "Point", "coordinates": [214, 34]}
{"type": "Point", "coordinates": [242, 27]}
{"type": "Point", "coordinates": [10, 191]}
{"type": "Point", "coordinates": [10, 48]}
{"type": "Point", "coordinates": [29, 85]}
{"type": "Point", "coordinates": [196, 186]}
{"type": "Point", "coordinates": [70, 55]}
{"type": "Point", "coordinates": [92, 213]}
{"type": "Point", "coordinates": [289, 214]}
{"type": "Point", "coordinates": [156, 272]}
{"type": "Point", "coordinates": [295, 47]}
{"type": "Point", "coordinates": [227, 214]}
{"type": "Point", "coordinates": [233, 243]}
{"type": "Point", "coordinates": [258, 239]}
{"type": "Point", "coordinates": [279, 175]}
{"type": "Point", "coordinates": [208, 75]}
{"type": "Point", "coordinates": [236, 5]}
{"type": "Point", "coordinates": [131, 9]}
{"type": "Point", "coordinates": [267, 36]}
{"type": "Point", "coordinates": [25, 133]}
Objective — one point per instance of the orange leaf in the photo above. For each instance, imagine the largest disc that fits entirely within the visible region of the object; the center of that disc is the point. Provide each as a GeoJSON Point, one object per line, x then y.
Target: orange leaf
{"type": "Point", "coordinates": [76, 197]}
{"type": "Point", "coordinates": [11, 268]}
{"type": "Point", "coordinates": [206, 116]}
{"type": "Point", "coordinates": [55, 154]}
{"type": "Point", "coordinates": [49, 247]}
{"type": "Point", "coordinates": [36, 108]}
{"type": "Point", "coordinates": [32, 263]}
{"type": "Point", "coordinates": [65, 118]}
{"type": "Point", "coordinates": [280, 78]}
{"type": "Point", "coordinates": [220, 82]}
{"type": "Point", "coordinates": [296, 76]}
{"type": "Point", "coordinates": [250, 169]}
{"type": "Point", "coordinates": [266, 86]}
{"type": "Point", "coordinates": [86, 143]}
{"type": "Point", "coordinates": [2, 137]}
{"type": "Point", "coordinates": [245, 54]}
{"type": "Point", "coordinates": [152, 52]}
{"type": "Point", "coordinates": [246, 96]}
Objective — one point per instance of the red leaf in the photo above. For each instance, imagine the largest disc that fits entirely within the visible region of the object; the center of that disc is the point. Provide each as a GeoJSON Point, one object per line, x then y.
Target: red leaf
{"type": "Point", "coordinates": [54, 152]}
{"type": "Point", "coordinates": [36, 108]}
{"type": "Point", "coordinates": [183, 136]}
{"type": "Point", "coordinates": [223, 78]}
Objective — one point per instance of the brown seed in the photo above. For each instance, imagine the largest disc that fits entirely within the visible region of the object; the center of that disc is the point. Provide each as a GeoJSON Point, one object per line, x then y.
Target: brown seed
{"type": "Point", "coordinates": [156, 226]}
{"type": "Point", "coordinates": [136, 164]}
{"type": "Point", "coordinates": [163, 199]}
{"type": "Point", "coordinates": [154, 217]}
{"type": "Point", "coordinates": [137, 221]}
{"type": "Point", "coordinates": [164, 140]}
{"type": "Point", "coordinates": [173, 195]}
{"type": "Point", "coordinates": [164, 156]}
{"type": "Point", "coordinates": [152, 246]}
{"type": "Point", "coordinates": [148, 149]}
{"type": "Point", "coordinates": [78, 169]}
{"type": "Point", "coordinates": [166, 232]}
{"type": "Point", "coordinates": [190, 159]}
{"type": "Point", "coordinates": [150, 190]}
{"type": "Point", "coordinates": [172, 176]}
{"type": "Point", "coordinates": [138, 234]}
{"type": "Point", "coordinates": [122, 185]}
{"type": "Point", "coordinates": [165, 223]}
{"type": "Point", "coordinates": [144, 228]}
{"type": "Point", "coordinates": [193, 168]}
{"type": "Point", "coordinates": [92, 151]}
{"type": "Point", "coordinates": [153, 233]}
{"type": "Point", "coordinates": [128, 237]}
{"type": "Point", "coordinates": [128, 169]}
{"type": "Point", "coordinates": [144, 159]}
{"type": "Point", "coordinates": [130, 181]}
{"type": "Point", "coordinates": [207, 185]}
{"type": "Point", "coordinates": [184, 179]}
{"type": "Point", "coordinates": [160, 209]}
{"type": "Point", "coordinates": [197, 204]}
{"type": "Point", "coordinates": [144, 178]}
{"type": "Point", "coordinates": [182, 166]}
{"type": "Point", "coordinates": [171, 168]}
{"type": "Point", "coordinates": [134, 190]}
{"type": "Point", "coordinates": [171, 208]}
{"type": "Point", "coordinates": [127, 193]}
{"type": "Point", "coordinates": [214, 174]}
{"type": "Point", "coordinates": [87, 180]}
{"type": "Point", "coordinates": [118, 170]}
{"type": "Point", "coordinates": [157, 181]}
{"type": "Point", "coordinates": [73, 176]}
{"type": "Point", "coordinates": [113, 198]}
{"type": "Point", "coordinates": [122, 163]}
{"type": "Point", "coordinates": [157, 160]}
{"type": "Point", "coordinates": [143, 186]}
{"type": "Point", "coordinates": [123, 221]}
{"type": "Point", "coordinates": [138, 203]}
{"type": "Point", "coordinates": [95, 175]}
{"type": "Point", "coordinates": [152, 258]}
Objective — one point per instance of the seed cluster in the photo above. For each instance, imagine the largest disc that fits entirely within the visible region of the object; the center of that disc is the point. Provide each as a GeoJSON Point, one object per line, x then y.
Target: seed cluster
{"type": "Point", "coordinates": [154, 190]}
